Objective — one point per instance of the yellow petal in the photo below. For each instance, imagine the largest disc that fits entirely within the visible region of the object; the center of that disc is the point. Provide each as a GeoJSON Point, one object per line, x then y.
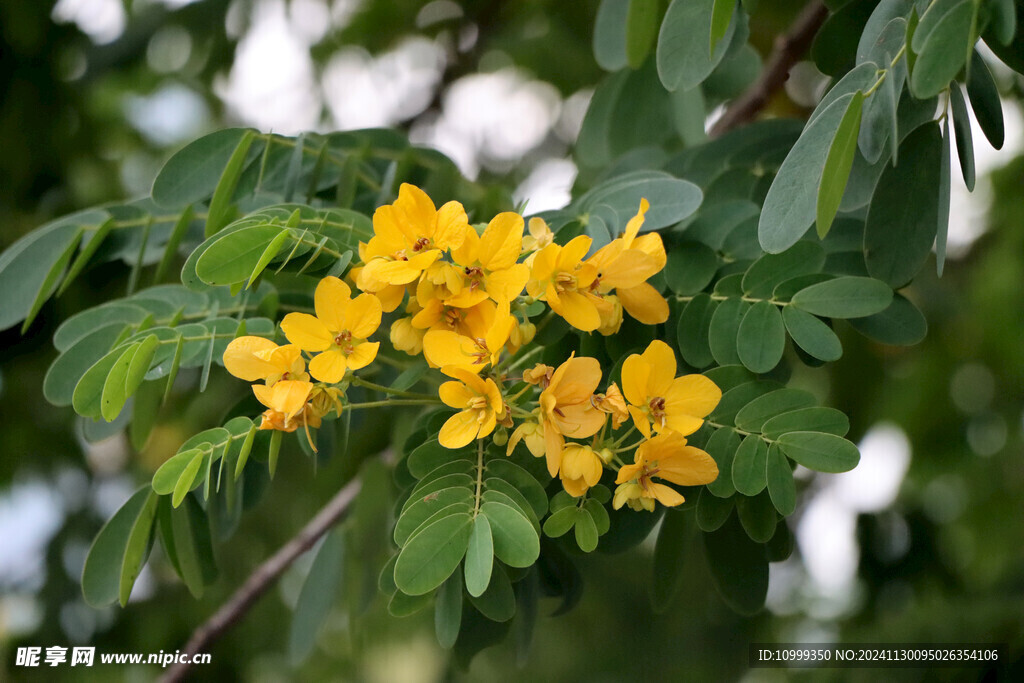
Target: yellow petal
{"type": "Point", "coordinates": [640, 420]}
{"type": "Point", "coordinates": [580, 420]}
{"type": "Point", "coordinates": [544, 261]}
{"type": "Point", "coordinates": [329, 366]}
{"type": "Point", "coordinates": [644, 303]}
{"type": "Point", "coordinates": [662, 361]}
{"type": "Point", "coordinates": [635, 223]}
{"type": "Point", "coordinates": [574, 487]}
{"type": "Point", "coordinates": [455, 394]}
{"type": "Point", "coordinates": [553, 445]}
{"type": "Point", "coordinates": [452, 226]}
{"type": "Point", "coordinates": [442, 347]}
{"type": "Point", "coordinates": [264, 394]}
{"type": "Point", "coordinates": [631, 268]}
{"type": "Point", "coordinates": [502, 241]}
{"type": "Point", "coordinates": [627, 473]}
{"type": "Point", "coordinates": [690, 467]}
{"type": "Point", "coordinates": [692, 395]}
{"type": "Point", "coordinates": [240, 359]}
{"type": "Point", "coordinates": [576, 379]}
{"type": "Point", "coordinates": [573, 252]}
{"type": "Point", "coordinates": [306, 332]}
{"type": "Point", "coordinates": [390, 297]}
{"type": "Point", "coordinates": [468, 252]}
{"type": "Point", "coordinates": [418, 210]}
{"type": "Point", "coordinates": [666, 495]}
{"type": "Point", "coordinates": [509, 283]}
{"type": "Point", "coordinates": [363, 355]}
{"type": "Point", "coordinates": [289, 396]}
{"type": "Point", "coordinates": [459, 430]}
{"type": "Point", "coordinates": [635, 373]}
{"type": "Point", "coordinates": [578, 310]}
{"type": "Point", "coordinates": [330, 301]}
{"type": "Point", "coordinates": [362, 317]}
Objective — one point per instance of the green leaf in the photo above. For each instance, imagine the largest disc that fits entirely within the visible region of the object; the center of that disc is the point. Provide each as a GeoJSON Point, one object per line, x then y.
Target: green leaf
{"type": "Point", "coordinates": [837, 165]}
{"type": "Point", "coordinates": [901, 324]}
{"type": "Point", "coordinates": [691, 267]}
{"type": "Point", "coordinates": [404, 605]}
{"type": "Point", "coordinates": [738, 567]}
{"type": "Point", "coordinates": [757, 516]}
{"type": "Point", "coordinates": [598, 511]}
{"type": "Point", "coordinates": [448, 611]}
{"type": "Point", "coordinates": [941, 42]}
{"type": "Point", "coordinates": [819, 451]}
{"type": "Point", "coordinates": [75, 361]}
{"type": "Point", "coordinates": [30, 268]}
{"type": "Point", "coordinates": [431, 508]}
{"type": "Point", "coordinates": [102, 571]}
{"type": "Point", "coordinates": [724, 329]}
{"type": "Point", "coordinates": [985, 101]}
{"type": "Point", "coordinates": [271, 251]}
{"type": "Point", "coordinates": [835, 44]}
{"type": "Point", "coordinates": [721, 18]}
{"type": "Point", "coordinates": [498, 602]}
{"type": "Point", "coordinates": [964, 142]}
{"type": "Point", "coordinates": [560, 521]}
{"type": "Point", "coordinates": [246, 449]}
{"type": "Point", "coordinates": [812, 335]}
{"type": "Point", "coordinates": [722, 447]}
{"type": "Point", "coordinates": [140, 363]}
{"type": "Point", "coordinates": [114, 392]}
{"type": "Point", "coordinates": [682, 55]}
{"type": "Point", "coordinates": [235, 256]}
{"type": "Point", "coordinates": [771, 270]}
{"type": "Point", "coordinates": [516, 542]}
{"type": "Point", "coordinates": [479, 557]}
{"type": "Point", "coordinates": [1003, 23]}
{"type": "Point", "coordinates": [145, 411]}
{"type": "Point", "coordinates": [430, 455]}
{"type": "Point", "coordinates": [185, 534]}
{"type": "Point", "coordinates": [523, 481]}
{"type": "Point", "coordinates": [99, 235]}
{"type": "Point", "coordinates": [790, 205]}
{"type": "Point", "coordinates": [748, 466]}
{"type": "Point", "coordinates": [712, 511]}
{"type": "Point", "coordinates": [942, 229]}
{"type": "Point", "coordinates": [187, 479]}
{"type": "Point", "coordinates": [501, 491]}
{"type": "Point", "coordinates": [671, 200]}
{"type": "Point", "coordinates": [137, 548]}
{"type": "Point", "coordinates": [693, 328]}
{"type": "Point", "coordinates": [879, 122]}
{"type": "Point", "coordinates": [844, 297]}
{"type": "Point", "coordinates": [191, 174]}
{"type": "Point", "coordinates": [430, 556]}
{"type": "Point", "coordinates": [609, 34]}
{"type": "Point", "coordinates": [816, 419]}
{"type": "Point", "coordinates": [167, 475]}
{"type": "Point", "coordinates": [762, 337]}
{"type": "Point", "coordinates": [781, 486]}
{"type": "Point", "coordinates": [669, 558]}
{"type": "Point", "coordinates": [316, 597]}
{"type": "Point", "coordinates": [586, 532]}
{"type": "Point", "coordinates": [738, 396]}
{"type": "Point", "coordinates": [641, 29]}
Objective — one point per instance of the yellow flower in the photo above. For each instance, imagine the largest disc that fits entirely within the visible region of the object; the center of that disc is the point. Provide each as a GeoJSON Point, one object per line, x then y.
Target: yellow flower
{"type": "Point", "coordinates": [531, 433]}
{"type": "Point", "coordinates": [566, 409]}
{"type": "Point", "coordinates": [667, 457]}
{"type": "Point", "coordinates": [322, 400]}
{"type": "Point", "coordinates": [489, 262]}
{"type": "Point", "coordinates": [480, 403]}
{"type": "Point", "coordinates": [338, 331]}
{"type": "Point", "coordinates": [539, 374]}
{"type": "Point", "coordinates": [409, 236]}
{"type": "Point", "coordinates": [612, 403]}
{"type": "Point", "coordinates": [406, 337]}
{"type": "Point", "coordinates": [625, 264]}
{"type": "Point", "coordinates": [581, 469]}
{"type": "Point", "coordinates": [540, 236]}
{"type": "Point", "coordinates": [658, 397]}
{"type": "Point", "coordinates": [559, 276]}
{"type": "Point", "coordinates": [480, 340]}
{"type": "Point", "coordinates": [611, 315]}
{"type": "Point", "coordinates": [285, 401]}
{"type": "Point", "coordinates": [255, 358]}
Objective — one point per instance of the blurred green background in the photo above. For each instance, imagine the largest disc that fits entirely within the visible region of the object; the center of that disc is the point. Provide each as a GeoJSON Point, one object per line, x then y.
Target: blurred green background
{"type": "Point", "coordinates": [923, 542]}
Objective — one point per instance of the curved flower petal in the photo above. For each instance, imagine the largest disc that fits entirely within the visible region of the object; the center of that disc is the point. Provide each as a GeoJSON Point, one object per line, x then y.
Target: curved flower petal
{"type": "Point", "coordinates": [330, 301]}
{"type": "Point", "coordinates": [666, 495]}
{"type": "Point", "coordinates": [578, 310]}
{"type": "Point", "coordinates": [328, 366]}
{"type": "Point", "coordinates": [240, 358]}
{"type": "Point", "coordinates": [362, 317]}
{"type": "Point", "coordinates": [662, 361]}
{"type": "Point", "coordinates": [455, 394]}
{"type": "Point", "coordinates": [635, 373]}
{"type": "Point", "coordinates": [692, 395]}
{"type": "Point", "coordinates": [644, 304]}
{"type": "Point", "coordinates": [443, 347]}
{"type": "Point", "coordinates": [307, 332]}
{"type": "Point", "coordinates": [502, 241]}
{"type": "Point", "coordinates": [459, 430]}
{"type": "Point", "coordinates": [452, 226]}
{"type": "Point", "coordinates": [289, 396]}
{"type": "Point", "coordinates": [363, 355]}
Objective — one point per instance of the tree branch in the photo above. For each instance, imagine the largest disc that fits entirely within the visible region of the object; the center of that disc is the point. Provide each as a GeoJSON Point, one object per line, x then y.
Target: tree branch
{"type": "Point", "coordinates": [263, 577]}
{"type": "Point", "coordinates": [789, 47]}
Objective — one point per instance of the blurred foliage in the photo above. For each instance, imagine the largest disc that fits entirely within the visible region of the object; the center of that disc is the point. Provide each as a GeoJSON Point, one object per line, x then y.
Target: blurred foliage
{"type": "Point", "coordinates": [943, 563]}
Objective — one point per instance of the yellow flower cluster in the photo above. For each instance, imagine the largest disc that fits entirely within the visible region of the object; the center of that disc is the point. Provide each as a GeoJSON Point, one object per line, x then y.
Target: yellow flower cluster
{"type": "Point", "coordinates": [466, 295]}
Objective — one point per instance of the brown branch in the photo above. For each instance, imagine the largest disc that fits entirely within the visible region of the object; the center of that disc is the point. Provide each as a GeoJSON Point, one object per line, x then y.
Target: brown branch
{"type": "Point", "coordinates": [263, 577]}
{"type": "Point", "coordinates": [789, 47]}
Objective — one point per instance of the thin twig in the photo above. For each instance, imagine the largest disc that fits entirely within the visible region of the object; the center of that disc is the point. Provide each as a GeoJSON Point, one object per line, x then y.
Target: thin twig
{"type": "Point", "coordinates": [789, 47]}
{"type": "Point", "coordinates": [262, 578]}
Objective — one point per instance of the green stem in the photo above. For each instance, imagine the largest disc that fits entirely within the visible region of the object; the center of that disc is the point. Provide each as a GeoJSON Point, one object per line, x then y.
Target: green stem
{"type": "Point", "coordinates": [358, 381]}
{"type": "Point", "coordinates": [394, 402]}
{"type": "Point", "coordinates": [508, 363]}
